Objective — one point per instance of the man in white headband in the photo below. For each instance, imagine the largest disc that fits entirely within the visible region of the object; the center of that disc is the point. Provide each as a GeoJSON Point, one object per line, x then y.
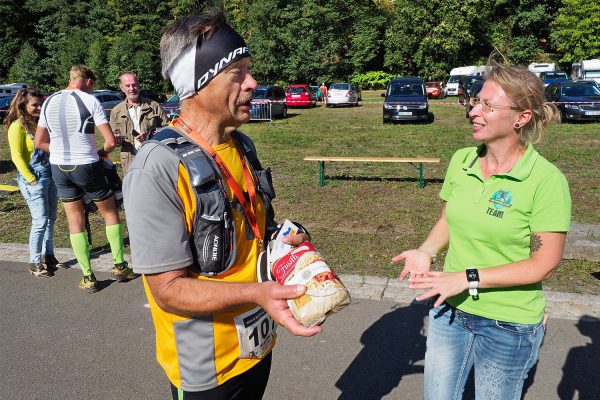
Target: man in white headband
{"type": "Point", "coordinates": [198, 207]}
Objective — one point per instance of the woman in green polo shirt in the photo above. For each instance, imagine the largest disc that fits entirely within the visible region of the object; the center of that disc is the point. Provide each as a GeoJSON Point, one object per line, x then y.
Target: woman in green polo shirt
{"type": "Point", "coordinates": [505, 216]}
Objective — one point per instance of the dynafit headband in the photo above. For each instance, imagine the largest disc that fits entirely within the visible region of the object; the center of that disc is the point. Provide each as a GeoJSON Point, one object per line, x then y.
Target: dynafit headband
{"type": "Point", "coordinates": [203, 60]}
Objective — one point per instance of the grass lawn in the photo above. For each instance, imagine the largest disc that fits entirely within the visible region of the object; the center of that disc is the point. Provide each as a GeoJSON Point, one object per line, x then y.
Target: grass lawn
{"type": "Point", "coordinates": [371, 212]}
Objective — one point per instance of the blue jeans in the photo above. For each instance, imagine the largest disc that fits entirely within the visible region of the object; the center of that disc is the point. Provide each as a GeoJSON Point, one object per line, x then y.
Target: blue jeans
{"type": "Point", "coordinates": [501, 352]}
{"type": "Point", "coordinates": [42, 201]}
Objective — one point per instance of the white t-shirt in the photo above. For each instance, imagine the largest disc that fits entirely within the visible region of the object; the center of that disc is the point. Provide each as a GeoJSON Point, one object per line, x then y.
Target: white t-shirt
{"type": "Point", "coordinates": [70, 117]}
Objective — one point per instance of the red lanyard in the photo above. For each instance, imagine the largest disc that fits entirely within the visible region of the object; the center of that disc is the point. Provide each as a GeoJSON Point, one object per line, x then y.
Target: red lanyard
{"type": "Point", "coordinates": [248, 207]}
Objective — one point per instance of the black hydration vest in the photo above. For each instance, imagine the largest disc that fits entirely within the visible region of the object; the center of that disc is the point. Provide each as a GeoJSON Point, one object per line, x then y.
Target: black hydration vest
{"type": "Point", "coordinates": [213, 232]}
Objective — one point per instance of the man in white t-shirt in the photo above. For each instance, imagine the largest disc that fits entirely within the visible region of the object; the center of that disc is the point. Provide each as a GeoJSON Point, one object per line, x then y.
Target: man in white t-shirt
{"type": "Point", "coordinates": [66, 131]}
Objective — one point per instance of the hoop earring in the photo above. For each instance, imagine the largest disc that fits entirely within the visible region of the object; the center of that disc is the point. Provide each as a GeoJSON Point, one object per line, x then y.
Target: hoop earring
{"type": "Point", "coordinates": [517, 126]}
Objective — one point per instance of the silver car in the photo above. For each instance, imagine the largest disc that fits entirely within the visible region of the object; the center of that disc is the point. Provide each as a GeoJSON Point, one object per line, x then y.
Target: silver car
{"type": "Point", "coordinates": [343, 94]}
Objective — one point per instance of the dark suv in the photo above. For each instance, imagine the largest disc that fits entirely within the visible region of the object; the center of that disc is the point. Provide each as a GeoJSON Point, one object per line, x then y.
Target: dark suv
{"type": "Point", "coordinates": [405, 100]}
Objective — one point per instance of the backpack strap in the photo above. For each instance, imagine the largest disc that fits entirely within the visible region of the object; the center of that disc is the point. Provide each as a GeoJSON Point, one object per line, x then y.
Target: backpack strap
{"type": "Point", "coordinates": [263, 179]}
{"type": "Point", "coordinates": [200, 166]}
{"type": "Point", "coordinates": [248, 149]}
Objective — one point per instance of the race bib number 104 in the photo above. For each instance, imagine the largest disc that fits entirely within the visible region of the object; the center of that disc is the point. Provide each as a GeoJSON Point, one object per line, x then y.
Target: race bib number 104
{"type": "Point", "coordinates": [256, 332]}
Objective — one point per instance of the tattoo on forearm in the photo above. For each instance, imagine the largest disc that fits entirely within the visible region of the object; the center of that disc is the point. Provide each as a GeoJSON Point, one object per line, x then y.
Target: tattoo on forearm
{"type": "Point", "coordinates": [536, 242]}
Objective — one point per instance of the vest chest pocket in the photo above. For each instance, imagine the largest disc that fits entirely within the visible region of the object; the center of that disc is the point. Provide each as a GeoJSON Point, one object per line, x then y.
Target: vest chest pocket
{"type": "Point", "coordinates": [213, 234]}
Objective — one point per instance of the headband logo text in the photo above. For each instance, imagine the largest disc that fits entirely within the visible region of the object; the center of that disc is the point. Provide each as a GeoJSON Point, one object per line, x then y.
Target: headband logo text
{"type": "Point", "coordinates": [219, 65]}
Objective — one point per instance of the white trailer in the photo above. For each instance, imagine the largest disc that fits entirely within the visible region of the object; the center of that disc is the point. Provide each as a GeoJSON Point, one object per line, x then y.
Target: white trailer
{"type": "Point", "coordinates": [536, 68]}
{"type": "Point", "coordinates": [456, 74]}
{"type": "Point", "coordinates": [586, 69]}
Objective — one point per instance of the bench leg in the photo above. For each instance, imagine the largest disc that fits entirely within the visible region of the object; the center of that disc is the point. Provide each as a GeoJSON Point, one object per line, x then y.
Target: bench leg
{"type": "Point", "coordinates": [421, 181]}
{"type": "Point", "coordinates": [321, 173]}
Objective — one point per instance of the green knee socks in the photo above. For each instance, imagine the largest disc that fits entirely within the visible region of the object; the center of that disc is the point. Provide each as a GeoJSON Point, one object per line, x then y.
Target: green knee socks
{"type": "Point", "coordinates": [114, 234]}
{"type": "Point", "coordinates": [79, 243]}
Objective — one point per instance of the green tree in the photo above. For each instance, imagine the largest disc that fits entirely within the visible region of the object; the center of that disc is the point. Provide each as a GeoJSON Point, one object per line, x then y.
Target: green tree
{"type": "Point", "coordinates": [521, 29]}
{"type": "Point", "coordinates": [430, 38]}
{"type": "Point", "coordinates": [16, 29]}
{"type": "Point", "coordinates": [97, 61]}
{"type": "Point", "coordinates": [312, 40]}
{"type": "Point", "coordinates": [27, 68]}
{"type": "Point", "coordinates": [576, 31]}
{"type": "Point", "coordinates": [130, 53]}
{"type": "Point", "coordinates": [366, 37]}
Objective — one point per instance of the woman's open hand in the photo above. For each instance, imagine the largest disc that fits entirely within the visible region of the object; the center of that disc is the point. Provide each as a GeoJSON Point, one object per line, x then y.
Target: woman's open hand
{"type": "Point", "coordinates": [416, 263]}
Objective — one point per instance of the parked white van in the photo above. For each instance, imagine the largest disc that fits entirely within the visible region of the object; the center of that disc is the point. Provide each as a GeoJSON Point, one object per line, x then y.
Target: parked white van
{"type": "Point", "coordinates": [586, 69]}
{"type": "Point", "coordinates": [456, 74]}
{"type": "Point", "coordinates": [11, 88]}
{"type": "Point", "coordinates": [537, 68]}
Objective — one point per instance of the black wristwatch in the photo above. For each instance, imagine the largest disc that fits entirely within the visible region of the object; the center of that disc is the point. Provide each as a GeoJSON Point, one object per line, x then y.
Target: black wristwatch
{"type": "Point", "coordinates": [473, 279]}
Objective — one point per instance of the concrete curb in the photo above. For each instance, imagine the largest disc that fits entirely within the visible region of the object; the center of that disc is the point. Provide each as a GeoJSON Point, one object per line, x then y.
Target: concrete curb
{"type": "Point", "coordinates": [561, 305]}
{"type": "Point", "coordinates": [570, 306]}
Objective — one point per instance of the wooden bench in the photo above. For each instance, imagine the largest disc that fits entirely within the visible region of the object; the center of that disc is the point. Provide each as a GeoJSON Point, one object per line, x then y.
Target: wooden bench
{"type": "Point", "coordinates": [415, 162]}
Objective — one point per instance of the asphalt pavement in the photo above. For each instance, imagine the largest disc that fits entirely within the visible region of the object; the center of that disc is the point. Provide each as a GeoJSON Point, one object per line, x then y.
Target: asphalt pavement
{"type": "Point", "coordinates": [57, 342]}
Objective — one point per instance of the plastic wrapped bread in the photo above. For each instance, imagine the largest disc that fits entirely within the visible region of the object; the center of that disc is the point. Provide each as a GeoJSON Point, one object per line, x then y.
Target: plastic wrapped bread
{"type": "Point", "coordinates": [325, 292]}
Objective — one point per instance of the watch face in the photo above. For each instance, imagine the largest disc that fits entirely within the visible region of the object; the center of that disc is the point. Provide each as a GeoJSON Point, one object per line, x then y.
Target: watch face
{"type": "Point", "coordinates": [472, 275]}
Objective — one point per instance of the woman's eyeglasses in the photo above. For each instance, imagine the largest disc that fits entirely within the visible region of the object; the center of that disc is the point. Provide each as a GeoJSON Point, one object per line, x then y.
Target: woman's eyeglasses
{"type": "Point", "coordinates": [487, 107]}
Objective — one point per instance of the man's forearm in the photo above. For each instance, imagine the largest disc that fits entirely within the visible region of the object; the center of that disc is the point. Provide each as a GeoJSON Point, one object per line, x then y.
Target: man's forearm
{"type": "Point", "coordinates": [191, 297]}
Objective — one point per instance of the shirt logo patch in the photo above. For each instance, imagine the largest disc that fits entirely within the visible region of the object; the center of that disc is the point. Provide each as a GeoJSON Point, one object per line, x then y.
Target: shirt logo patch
{"type": "Point", "coordinates": [500, 200]}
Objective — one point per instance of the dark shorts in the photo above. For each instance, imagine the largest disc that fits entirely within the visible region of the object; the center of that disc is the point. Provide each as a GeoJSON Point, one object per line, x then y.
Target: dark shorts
{"type": "Point", "coordinates": [73, 181]}
{"type": "Point", "coordinates": [250, 385]}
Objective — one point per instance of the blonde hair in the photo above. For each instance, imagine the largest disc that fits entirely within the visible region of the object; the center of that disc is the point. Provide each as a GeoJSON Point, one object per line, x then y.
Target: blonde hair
{"type": "Point", "coordinates": [18, 110]}
{"type": "Point", "coordinates": [526, 91]}
{"type": "Point", "coordinates": [81, 72]}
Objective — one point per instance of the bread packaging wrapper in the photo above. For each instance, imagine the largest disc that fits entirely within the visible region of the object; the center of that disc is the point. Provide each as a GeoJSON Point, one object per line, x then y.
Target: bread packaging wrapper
{"type": "Point", "coordinates": [325, 292]}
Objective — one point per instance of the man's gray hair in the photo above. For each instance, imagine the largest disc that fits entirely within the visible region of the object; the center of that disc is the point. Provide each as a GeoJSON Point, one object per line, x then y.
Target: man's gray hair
{"type": "Point", "coordinates": [183, 32]}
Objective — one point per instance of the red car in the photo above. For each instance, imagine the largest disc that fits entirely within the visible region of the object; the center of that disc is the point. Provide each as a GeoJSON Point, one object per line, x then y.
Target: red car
{"type": "Point", "coordinates": [434, 90]}
{"type": "Point", "coordinates": [300, 95]}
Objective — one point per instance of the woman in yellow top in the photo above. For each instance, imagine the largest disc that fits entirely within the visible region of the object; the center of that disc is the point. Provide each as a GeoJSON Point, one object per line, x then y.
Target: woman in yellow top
{"type": "Point", "coordinates": [34, 179]}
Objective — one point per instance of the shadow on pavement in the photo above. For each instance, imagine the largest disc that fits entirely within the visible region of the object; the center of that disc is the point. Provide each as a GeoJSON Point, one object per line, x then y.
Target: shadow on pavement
{"type": "Point", "coordinates": [392, 347]}
{"type": "Point", "coordinates": [581, 371]}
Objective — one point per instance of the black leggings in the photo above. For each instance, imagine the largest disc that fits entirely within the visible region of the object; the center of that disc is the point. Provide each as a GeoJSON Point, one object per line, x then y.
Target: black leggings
{"type": "Point", "coordinates": [250, 385]}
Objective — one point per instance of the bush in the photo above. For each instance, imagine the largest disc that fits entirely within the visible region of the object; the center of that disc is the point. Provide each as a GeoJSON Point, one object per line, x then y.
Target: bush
{"type": "Point", "coordinates": [372, 80]}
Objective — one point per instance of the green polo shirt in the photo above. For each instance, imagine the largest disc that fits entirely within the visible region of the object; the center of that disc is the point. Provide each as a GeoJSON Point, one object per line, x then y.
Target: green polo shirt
{"type": "Point", "coordinates": [490, 223]}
